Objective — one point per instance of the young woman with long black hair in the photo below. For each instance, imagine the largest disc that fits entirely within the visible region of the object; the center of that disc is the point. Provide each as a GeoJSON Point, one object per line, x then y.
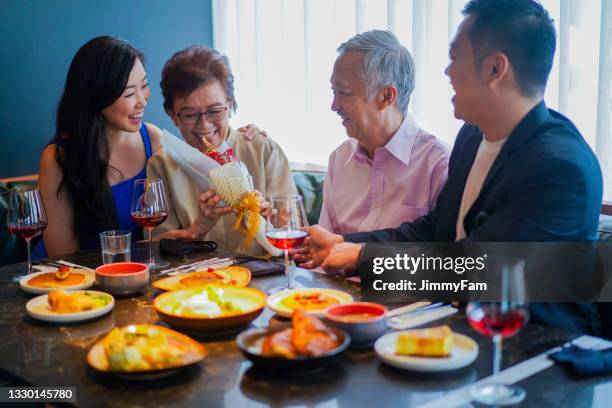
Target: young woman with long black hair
{"type": "Point", "coordinates": [101, 145]}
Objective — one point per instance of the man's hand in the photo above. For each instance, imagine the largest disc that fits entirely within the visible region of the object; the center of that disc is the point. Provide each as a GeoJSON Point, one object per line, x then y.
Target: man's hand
{"type": "Point", "coordinates": [302, 255]}
{"type": "Point", "coordinates": [342, 259]}
{"type": "Point", "coordinates": [320, 242]}
{"type": "Point", "coordinates": [250, 131]}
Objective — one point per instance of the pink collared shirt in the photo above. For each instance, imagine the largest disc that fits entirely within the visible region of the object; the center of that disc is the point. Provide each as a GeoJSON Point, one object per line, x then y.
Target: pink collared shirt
{"type": "Point", "coordinates": [401, 182]}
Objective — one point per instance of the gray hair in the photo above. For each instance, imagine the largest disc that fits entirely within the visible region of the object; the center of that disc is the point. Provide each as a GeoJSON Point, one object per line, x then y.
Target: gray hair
{"type": "Point", "coordinates": [385, 62]}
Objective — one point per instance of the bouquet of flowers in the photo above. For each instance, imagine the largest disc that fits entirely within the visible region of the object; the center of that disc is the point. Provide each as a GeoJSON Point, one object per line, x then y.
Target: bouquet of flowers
{"type": "Point", "coordinates": [232, 182]}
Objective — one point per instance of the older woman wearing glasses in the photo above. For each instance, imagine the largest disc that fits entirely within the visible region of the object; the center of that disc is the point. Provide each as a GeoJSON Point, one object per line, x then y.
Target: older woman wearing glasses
{"type": "Point", "coordinates": [198, 88]}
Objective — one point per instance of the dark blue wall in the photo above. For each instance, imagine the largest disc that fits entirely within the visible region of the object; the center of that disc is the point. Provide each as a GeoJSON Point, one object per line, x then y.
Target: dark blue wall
{"type": "Point", "coordinates": [38, 39]}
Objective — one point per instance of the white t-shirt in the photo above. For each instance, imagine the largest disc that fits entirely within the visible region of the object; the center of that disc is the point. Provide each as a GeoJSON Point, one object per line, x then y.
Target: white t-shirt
{"type": "Point", "coordinates": [487, 152]}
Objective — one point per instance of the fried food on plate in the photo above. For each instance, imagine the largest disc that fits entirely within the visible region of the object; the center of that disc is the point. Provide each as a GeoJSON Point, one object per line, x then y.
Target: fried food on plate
{"type": "Point", "coordinates": [429, 342]}
{"type": "Point", "coordinates": [308, 337]}
{"type": "Point", "coordinates": [309, 301]}
{"type": "Point", "coordinates": [63, 302]}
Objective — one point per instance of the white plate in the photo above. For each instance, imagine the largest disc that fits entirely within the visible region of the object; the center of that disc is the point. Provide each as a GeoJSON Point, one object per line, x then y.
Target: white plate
{"type": "Point", "coordinates": [90, 278]}
{"type": "Point", "coordinates": [463, 354]}
{"type": "Point", "coordinates": [274, 301]}
{"type": "Point", "coordinates": [39, 309]}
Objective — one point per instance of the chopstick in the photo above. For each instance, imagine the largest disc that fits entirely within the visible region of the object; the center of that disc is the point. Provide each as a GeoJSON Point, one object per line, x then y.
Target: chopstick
{"type": "Point", "coordinates": [194, 268]}
{"type": "Point", "coordinates": [412, 313]}
{"type": "Point", "coordinates": [420, 317]}
{"type": "Point", "coordinates": [200, 264]}
{"type": "Point", "coordinates": [66, 263]}
{"type": "Point", "coordinates": [186, 266]}
{"type": "Point", "coordinates": [407, 308]}
{"type": "Point", "coordinates": [47, 263]}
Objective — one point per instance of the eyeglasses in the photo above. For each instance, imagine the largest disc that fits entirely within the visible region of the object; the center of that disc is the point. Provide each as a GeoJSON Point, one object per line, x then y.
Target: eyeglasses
{"type": "Point", "coordinates": [192, 117]}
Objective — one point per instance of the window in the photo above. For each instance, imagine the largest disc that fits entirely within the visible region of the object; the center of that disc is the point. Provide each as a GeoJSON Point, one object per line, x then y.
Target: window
{"type": "Point", "coordinates": [282, 54]}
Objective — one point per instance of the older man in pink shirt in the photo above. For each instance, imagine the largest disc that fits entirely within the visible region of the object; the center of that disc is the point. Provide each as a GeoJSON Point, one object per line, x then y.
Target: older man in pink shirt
{"type": "Point", "coordinates": [390, 170]}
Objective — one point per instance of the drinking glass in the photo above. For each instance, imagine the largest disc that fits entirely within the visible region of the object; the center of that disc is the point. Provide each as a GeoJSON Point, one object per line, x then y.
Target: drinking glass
{"type": "Point", "coordinates": [150, 209]}
{"type": "Point", "coordinates": [497, 318]}
{"type": "Point", "coordinates": [286, 228]}
{"type": "Point", "coordinates": [116, 246]}
{"type": "Point", "coordinates": [26, 217]}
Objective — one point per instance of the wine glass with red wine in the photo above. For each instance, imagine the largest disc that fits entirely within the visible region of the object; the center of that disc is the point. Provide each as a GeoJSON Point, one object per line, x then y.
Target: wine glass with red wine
{"type": "Point", "coordinates": [26, 217]}
{"type": "Point", "coordinates": [286, 229]}
{"type": "Point", "coordinates": [500, 315]}
{"type": "Point", "coordinates": [150, 209]}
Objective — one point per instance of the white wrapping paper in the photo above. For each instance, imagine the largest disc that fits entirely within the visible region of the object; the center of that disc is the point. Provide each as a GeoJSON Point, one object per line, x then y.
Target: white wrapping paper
{"type": "Point", "coordinates": [230, 181]}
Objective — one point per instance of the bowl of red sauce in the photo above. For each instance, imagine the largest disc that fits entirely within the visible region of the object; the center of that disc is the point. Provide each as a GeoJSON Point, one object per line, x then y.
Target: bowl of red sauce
{"type": "Point", "coordinates": [122, 278]}
{"type": "Point", "coordinates": [363, 321]}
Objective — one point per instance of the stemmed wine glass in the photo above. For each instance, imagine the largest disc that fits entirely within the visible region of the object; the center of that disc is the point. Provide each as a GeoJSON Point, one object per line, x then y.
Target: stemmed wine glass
{"type": "Point", "coordinates": [150, 209]}
{"type": "Point", "coordinates": [286, 228]}
{"type": "Point", "coordinates": [497, 318]}
{"type": "Point", "coordinates": [26, 217]}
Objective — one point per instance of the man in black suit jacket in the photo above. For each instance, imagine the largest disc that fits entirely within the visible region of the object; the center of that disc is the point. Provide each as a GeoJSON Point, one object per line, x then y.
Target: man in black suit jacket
{"type": "Point", "coordinates": [519, 172]}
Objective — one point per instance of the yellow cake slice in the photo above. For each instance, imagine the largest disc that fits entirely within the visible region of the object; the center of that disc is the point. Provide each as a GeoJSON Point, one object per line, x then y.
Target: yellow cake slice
{"type": "Point", "coordinates": [429, 342]}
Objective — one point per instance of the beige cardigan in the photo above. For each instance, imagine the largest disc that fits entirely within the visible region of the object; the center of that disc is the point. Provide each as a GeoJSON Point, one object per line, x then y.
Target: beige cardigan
{"type": "Point", "coordinates": [268, 166]}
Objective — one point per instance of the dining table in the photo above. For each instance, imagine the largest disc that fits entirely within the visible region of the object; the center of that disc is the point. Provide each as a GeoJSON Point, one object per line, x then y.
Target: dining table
{"type": "Point", "coordinates": [39, 354]}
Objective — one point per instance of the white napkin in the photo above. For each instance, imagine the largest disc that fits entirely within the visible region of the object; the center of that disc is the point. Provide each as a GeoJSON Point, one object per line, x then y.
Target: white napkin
{"type": "Point", "coordinates": [592, 343]}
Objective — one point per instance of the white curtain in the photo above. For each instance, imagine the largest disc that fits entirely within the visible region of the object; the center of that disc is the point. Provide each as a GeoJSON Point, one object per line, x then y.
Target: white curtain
{"type": "Point", "coordinates": [282, 53]}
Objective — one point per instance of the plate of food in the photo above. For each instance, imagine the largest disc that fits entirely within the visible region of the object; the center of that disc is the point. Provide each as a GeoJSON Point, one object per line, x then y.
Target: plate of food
{"type": "Point", "coordinates": [432, 349]}
{"type": "Point", "coordinates": [228, 275]}
{"type": "Point", "coordinates": [210, 307]}
{"type": "Point", "coordinates": [144, 351]}
{"type": "Point", "coordinates": [61, 306]}
{"type": "Point", "coordinates": [65, 277]}
{"type": "Point", "coordinates": [311, 300]}
{"type": "Point", "coordinates": [305, 344]}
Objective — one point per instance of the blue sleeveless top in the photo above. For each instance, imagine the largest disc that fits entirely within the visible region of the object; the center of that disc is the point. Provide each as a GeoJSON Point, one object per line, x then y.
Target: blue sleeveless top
{"type": "Point", "coordinates": [122, 196]}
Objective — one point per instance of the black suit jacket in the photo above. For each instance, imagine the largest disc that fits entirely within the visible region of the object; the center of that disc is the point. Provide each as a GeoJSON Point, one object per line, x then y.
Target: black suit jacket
{"type": "Point", "coordinates": [544, 186]}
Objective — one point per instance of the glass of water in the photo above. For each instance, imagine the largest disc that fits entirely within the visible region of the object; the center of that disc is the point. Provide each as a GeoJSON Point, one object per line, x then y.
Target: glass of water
{"type": "Point", "coordinates": [116, 246]}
